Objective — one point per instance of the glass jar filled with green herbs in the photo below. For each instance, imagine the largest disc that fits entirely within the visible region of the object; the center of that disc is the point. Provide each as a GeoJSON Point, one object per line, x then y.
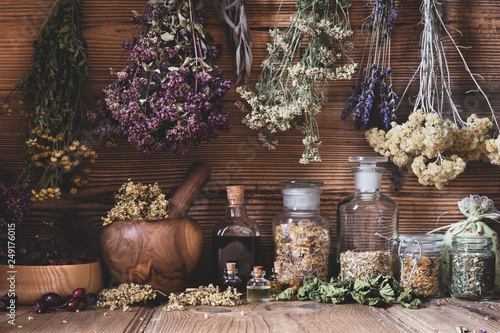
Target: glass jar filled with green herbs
{"type": "Point", "coordinates": [472, 268]}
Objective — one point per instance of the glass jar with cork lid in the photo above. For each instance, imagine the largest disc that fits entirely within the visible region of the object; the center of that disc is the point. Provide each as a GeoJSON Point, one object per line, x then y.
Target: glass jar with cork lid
{"type": "Point", "coordinates": [236, 238]}
{"type": "Point", "coordinates": [302, 233]}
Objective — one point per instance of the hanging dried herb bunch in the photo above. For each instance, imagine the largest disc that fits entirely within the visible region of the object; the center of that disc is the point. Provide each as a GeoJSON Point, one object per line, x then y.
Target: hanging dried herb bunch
{"type": "Point", "coordinates": [373, 90]}
{"type": "Point", "coordinates": [167, 96]}
{"type": "Point", "coordinates": [135, 201]}
{"type": "Point", "coordinates": [437, 149]}
{"type": "Point", "coordinates": [233, 13]}
{"type": "Point", "coordinates": [55, 151]}
{"type": "Point", "coordinates": [311, 51]}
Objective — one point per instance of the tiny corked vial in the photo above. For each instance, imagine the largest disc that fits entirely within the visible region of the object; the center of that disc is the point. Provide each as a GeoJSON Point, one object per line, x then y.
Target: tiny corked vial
{"type": "Point", "coordinates": [472, 268]}
{"type": "Point", "coordinates": [231, 278]}
{"type": "Point", "coordinates": [420, 259]}
{"type": "Point", "coordinates": [277, 280]}
{"type": "Point", "coordinates": [258, 288]}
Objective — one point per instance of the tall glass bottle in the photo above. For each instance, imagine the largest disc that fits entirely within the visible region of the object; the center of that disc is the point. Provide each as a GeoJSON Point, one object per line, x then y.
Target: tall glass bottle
{"type": "Point", "coordinates": [236, 238]}
{"type": "Point", "coordinates": [367, 224]}
{"type": "Point", "coordinates": [302, 233]}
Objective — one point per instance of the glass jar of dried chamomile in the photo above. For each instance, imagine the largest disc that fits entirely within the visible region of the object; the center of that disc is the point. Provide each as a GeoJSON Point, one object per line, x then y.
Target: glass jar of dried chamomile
{"type": "Point", "coordinates": [302, 233]}
{"type": "Point", "coordinates": [472, 268]}
{"type": "Point", "coordinates": [419, 258]}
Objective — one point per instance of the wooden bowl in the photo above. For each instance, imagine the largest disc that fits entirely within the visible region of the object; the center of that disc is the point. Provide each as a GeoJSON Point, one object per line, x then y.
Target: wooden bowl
{"type": "Point", "coordinates": [161, 253]}
{"type": "Point", "coordinates": [31, 282]}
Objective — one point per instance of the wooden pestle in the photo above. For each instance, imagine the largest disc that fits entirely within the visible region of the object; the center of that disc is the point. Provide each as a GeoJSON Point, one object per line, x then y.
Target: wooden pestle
{"type": "Point", "coordinates": [195, 179]}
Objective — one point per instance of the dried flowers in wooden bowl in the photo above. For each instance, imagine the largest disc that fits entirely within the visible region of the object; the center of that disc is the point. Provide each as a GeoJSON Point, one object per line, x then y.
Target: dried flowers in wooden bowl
{"type": "Point", "coordinates": [147, 240]}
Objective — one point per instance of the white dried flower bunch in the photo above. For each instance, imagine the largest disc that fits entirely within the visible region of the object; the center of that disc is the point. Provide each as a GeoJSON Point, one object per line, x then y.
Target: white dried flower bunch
{"type": "Point", "coordinates": [312, 50]}
{"type": "Point", "coordinates": [125, 295]}
{"type": "Point", "coordinates": [135, 201]}
{"type": "Point", "coordinates": [436, 150]}
{"type": "Point", "coordinates": [204, 296]}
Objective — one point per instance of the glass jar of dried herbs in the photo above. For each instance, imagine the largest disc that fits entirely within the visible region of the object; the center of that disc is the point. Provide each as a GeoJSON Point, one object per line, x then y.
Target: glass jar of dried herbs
{"type": "Point", "coordinates": [419, 258]}
{"type": "Point", "coordinates": [472, 268]}
{"type": "Point", "coordinates": [302, 233]}
{"type": "Point", "coordinates": [367, 224]}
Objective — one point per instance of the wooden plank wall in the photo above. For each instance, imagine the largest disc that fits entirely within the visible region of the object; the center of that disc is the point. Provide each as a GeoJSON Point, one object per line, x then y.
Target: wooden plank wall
{"type": "Point", "coordinates": [237, 158]}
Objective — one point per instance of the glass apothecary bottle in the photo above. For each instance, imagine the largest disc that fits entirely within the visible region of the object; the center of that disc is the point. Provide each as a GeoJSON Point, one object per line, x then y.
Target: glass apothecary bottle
{"type": "Point", "coordinates": [420, 259]}
{"type": "Point", "coordinates": [236, 238]}
{"type": "Point", "coordinates": [302, 233]}
{"type": "Point", "coordinates": [472, 268]}
{"type": "Point", "coordinates": [231, 278]}
{"type": "Point", "coordinates": [258, 288]}
{"type": "Point", "coordinates": [367, 224]}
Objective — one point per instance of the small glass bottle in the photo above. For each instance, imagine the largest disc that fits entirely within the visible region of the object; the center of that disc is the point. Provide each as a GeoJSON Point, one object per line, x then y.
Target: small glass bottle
{"type": "Point", "coordinates": [472, 268]}
{"type": "Point", "coordinates": [419, 258]}
{"type": "Point", "coordinates": [258, 288]}
{"type": "Point", "coordinates": [231, 278]}
{"type": "Point", "coordinates": [302, 233]}
{"type": "Point", "coordinates": [236, 238]}
{"type": "Point", "coordinates": [367, 224]}
{"type": "Point", "coordinates": [276, 280]}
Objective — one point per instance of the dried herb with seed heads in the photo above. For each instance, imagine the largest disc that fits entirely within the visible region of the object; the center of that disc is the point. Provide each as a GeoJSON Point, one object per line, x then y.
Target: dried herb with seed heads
{"type": "Point", "coordinates": [54, 151]}
{"type": "Point", "coordinates": [204, 296]}
{"type": "Point", "coordinates": [125, 295]}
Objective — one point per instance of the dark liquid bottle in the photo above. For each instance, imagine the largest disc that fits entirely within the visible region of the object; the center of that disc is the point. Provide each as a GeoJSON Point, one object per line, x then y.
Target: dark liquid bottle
{"type": "Point", "coordinates": [236, 238]}
{"type": "Point", "coordinates": [231, 278]}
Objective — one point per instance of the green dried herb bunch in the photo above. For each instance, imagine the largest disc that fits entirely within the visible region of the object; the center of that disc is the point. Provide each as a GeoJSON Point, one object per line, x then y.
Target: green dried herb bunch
{"type": "Point", "coordinates": [302, 58]}
{"type": "Point", "coordinates": [380, 291]}
{"type": "Point", "coordinates": [54, 148]}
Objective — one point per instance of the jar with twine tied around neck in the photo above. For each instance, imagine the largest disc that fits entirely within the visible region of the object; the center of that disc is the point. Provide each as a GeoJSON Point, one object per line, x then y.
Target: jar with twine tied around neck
{"type": "Point", "coordinates": [479, 210]}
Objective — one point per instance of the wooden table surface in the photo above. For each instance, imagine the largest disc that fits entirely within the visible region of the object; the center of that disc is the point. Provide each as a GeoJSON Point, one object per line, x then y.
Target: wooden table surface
{"type": "Point", "coordinates": [438, 315]}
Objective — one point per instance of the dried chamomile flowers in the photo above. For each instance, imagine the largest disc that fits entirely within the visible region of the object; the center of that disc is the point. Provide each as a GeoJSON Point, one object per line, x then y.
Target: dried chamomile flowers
{"type": "Point", "coordinates": [125, 295]}
{"type": "Point", "coordinates": [204, 296]}
{"type": "Point", "coordinates": [436, 150]}
{"type": "Point", "coordinates": [135, 201]}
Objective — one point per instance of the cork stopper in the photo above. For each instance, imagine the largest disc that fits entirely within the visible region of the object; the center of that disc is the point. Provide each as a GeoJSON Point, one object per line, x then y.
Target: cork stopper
{"type": "Point", "coordinates": [231, 267]}
{"type": "Point", "coordinates": [278, 267]}
{"type": "Point", "coordinates": [257, 271]}
{"type": "Point", "coordinates": [236, 194]}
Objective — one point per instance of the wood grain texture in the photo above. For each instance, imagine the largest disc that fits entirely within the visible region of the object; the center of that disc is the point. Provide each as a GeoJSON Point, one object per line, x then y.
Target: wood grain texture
{"type": "Point", "coordinates": [161, 253]}
{"type": "Point", "coordinates": [438, 315]}
{"type": "Point", "coordinates": [237, 157]}
{"type": "Point", "coordinates": [31, 282]}
{"type": "Point", "coordinates": [195, 179]}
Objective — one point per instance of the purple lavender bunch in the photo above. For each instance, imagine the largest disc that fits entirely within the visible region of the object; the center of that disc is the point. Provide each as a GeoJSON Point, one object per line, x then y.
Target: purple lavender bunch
{"type": "Point", "coordinates": [374, 91]}
{"type": "Point", "coordinates": [168, 94]}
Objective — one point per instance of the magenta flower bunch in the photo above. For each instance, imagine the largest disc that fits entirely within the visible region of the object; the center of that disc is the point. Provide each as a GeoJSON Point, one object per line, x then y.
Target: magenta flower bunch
{"type": "Point", "coordinates": [167, 96]}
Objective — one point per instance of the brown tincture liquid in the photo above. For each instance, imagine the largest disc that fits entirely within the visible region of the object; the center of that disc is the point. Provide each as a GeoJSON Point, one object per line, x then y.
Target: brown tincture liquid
{"type": "Point", "coordinates": [244, 251]}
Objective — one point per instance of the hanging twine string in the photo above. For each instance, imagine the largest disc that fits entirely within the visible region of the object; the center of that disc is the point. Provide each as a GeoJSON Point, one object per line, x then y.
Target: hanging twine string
{"type": "Point", "coordinates": [475, 208]}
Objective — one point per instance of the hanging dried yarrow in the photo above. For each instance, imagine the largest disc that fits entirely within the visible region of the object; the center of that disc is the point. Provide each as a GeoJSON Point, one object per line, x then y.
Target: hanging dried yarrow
{"type": "Point", "coordinates": [434, 148]}
{"type": "Point", "coordinates": [312, 50]}
{"type": "Point", "coordinates": [167, 96]}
